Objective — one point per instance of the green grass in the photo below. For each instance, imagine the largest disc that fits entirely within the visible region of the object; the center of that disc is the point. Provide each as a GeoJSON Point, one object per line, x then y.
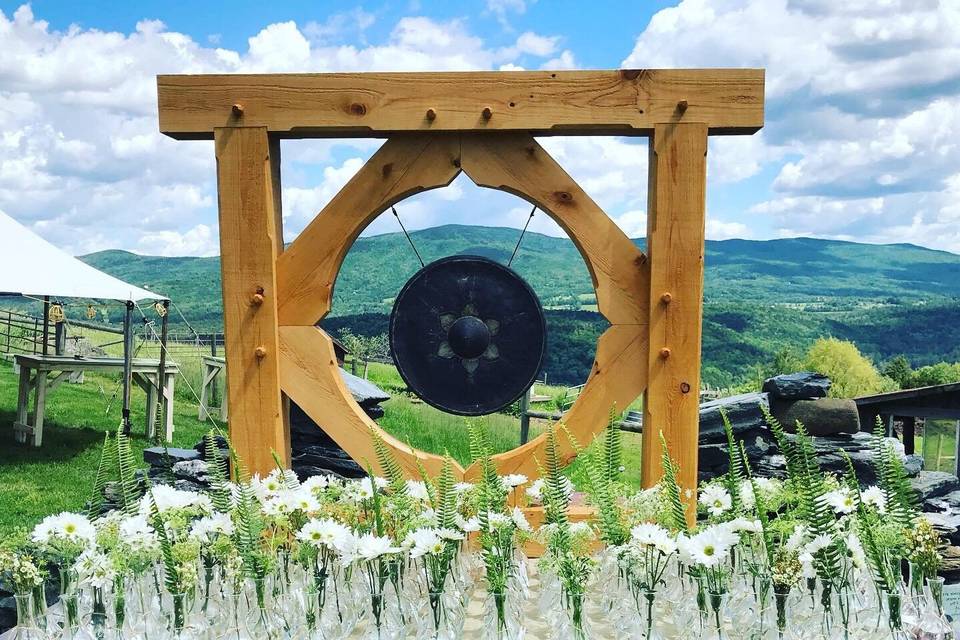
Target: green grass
{"type": "Point", "coordinates": [59, 475]}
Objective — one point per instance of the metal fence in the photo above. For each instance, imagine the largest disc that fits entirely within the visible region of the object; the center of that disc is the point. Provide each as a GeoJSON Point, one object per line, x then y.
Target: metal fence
{"type": "Point", "coordinates": [23, 333]}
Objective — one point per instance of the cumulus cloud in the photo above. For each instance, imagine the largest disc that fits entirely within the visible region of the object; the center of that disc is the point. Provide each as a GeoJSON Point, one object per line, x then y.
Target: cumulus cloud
{"type": "Point", "coordinates": [862, 108]}
{"type": "Point", "coordinates": [81, 159]}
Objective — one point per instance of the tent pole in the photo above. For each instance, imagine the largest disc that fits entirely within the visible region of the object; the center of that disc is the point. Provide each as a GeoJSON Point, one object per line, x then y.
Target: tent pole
{"type": "Point", "coordinates": [46, 324]}
{"type": "Point", "coordinates": [162, 375]}
{"type": "Point", "coordinates": [127, 365]}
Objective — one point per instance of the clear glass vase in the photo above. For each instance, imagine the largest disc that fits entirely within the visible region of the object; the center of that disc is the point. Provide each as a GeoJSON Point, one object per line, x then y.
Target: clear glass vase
{"type": "Point", "coordinates": [441, 615]}
{"type": "Point", "coordinates": [646, 627]}
{"type": "Point", "coordinates": [26, 628]}
{"type": "Point", "coordinates": [502, 616]}
{"type": "Point", "coordinates": [781, 601]}
{"type": "Point", "coordinates": [382, 617]}
{"type": "Point", "coordinates": [718, 615]}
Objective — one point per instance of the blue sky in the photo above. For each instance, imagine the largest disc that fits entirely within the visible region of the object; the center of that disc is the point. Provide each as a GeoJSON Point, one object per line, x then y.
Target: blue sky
{"type": "Point", "coordinates": [863, 110]}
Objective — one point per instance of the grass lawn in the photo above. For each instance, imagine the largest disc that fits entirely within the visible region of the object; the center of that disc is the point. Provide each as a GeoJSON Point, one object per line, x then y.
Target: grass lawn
{"type": "Point", "coordinates": [59, 475]}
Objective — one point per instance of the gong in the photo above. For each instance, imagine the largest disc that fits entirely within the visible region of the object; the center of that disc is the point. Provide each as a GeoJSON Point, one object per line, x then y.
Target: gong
{"type": "Point", "coordinates": [468, 335]}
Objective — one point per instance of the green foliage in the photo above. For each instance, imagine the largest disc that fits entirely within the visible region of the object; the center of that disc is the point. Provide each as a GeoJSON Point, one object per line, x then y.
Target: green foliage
{"type": "Point", "coordinates": [126, 472]}
{"type": "Point", "coordinates": [735, 473]}
{"type": "Point", "coordinates": [892, 479]}
{"type": "Point", "coordinates": [248, 524]}
{"type": "Point", "coordinates": [603, 471]}
{"type": "Point", "coordinates": [105, 470]}
{"type": "Point", "coordinates": [677, 516]}
{"type": "Point", "coordinates": [939, 373]}
{"type": "Point", "coordinates": [220, 493]}
{"type": "Point", "coordinates": [763, 511]}
{"type": "Point", "coordinates": [852, 373]}
{"type": "Point", "coordinates": [555, 498]}
{"type": "Point", "coordinates": [445, 502]}
{"type": "Point", "coordinates": [899, 370]}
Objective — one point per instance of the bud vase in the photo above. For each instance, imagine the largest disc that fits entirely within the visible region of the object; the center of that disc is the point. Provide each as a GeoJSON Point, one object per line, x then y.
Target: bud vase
{"type": "Point", "coordinates": [502, 617]}
{"type": "Point", "coordinates": [781, 599]}
{"type": "Point", "coordinates": [72, 629]}
{"type": "Point", "coordinates": [441, 615]}
{"type": "Point", "coordinates": [382, 615]}
{"type": "Point", "coordinates": [26, 628]}
{"type": "Point", "coordinates": [718, 615]}
{"type": "Point", "coordinates": [646, 616]}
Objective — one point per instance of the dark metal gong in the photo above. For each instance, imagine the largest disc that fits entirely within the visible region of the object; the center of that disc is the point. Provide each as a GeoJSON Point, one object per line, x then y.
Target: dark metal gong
{"type": "Point", "coordinates": [468, 335]}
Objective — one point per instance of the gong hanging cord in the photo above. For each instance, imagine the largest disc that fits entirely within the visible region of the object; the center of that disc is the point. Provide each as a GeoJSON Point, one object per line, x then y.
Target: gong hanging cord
{"type": "Point", "coordinates": [409, 239]}
{"type": "Point", "coordinates": [520, 239]}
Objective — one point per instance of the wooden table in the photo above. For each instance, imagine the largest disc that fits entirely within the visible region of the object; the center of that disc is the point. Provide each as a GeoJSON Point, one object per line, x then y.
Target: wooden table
{"type": "Point", "coordinates": [35, 376]}
{"type": "Point", "coordinates": [212, 367]}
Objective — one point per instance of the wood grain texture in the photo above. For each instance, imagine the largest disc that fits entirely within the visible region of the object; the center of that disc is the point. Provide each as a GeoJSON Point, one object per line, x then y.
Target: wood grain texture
{"type": "Point", "coordinates": [310, 376]}
{"type": "Point", "coordinates": [307, 270]}
{"type": "Point", "coordinates": [517, 164]}
{"type": "Point", "coordinates": [249, 243]}
{"type": "Point", "coordinates": [610, 102]}
{"type": "Point", "coordinates": [675, 246]}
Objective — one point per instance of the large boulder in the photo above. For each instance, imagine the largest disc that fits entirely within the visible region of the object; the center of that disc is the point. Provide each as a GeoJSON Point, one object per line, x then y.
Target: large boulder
{"type": "Point", "coordinates": [798, 386]}
{"type": "Point", "coordinates": [743, 411]}
{"type": "Point", "coordinates": [823, 417]}
{"type": "Point", "coordinates": [363, 391]}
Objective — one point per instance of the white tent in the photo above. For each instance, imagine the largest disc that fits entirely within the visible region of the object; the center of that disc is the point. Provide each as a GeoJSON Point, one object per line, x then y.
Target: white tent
{"type": "Point", "coordinates": [29, 265]}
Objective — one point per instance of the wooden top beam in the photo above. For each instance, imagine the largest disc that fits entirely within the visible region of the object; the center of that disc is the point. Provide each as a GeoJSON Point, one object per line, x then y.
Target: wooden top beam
{"type": "Point", "coordinates": [626, 102]}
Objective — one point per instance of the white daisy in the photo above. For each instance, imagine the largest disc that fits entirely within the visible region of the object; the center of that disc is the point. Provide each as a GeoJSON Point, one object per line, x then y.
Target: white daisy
{"type": "Point", "coordinates": [513, 480]}
{"type": "Point", "coordinates": [371, 546]}
{"type": "Point", "coordinates": [711, 547]}
{"type": "Point", "coordinates": [876, 497]}
{"type": "Point", "coordinates": [417, 490]}
{"type": "Point", "coordinates": [842, 500]}
{"type": "Point", "coordinates": [716, 499]}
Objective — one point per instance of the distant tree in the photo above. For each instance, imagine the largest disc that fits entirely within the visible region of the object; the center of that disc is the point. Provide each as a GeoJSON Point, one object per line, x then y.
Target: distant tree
{"type": "Point", "coordinates": [940, 373]}
{"type": "Point", "coordinates": [852, 373]}
{"type": "Point", "coordinates": [899, 370]}
{"type": "Point", "coordinates": [363, 349]}
{"type": "Point", "coordinates": [787, 360]}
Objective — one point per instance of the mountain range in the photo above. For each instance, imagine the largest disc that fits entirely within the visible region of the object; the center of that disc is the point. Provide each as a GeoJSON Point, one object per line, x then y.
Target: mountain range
{"type": "Point", "coordinates": [760, 296]}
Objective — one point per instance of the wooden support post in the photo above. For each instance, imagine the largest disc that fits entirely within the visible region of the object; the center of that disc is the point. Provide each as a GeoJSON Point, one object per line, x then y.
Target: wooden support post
{"type": "Point", "coordinates": [127, 365]}
{"type": "Point", "coordinates": [250, 240]}
{"type": "Point", "coordinates": [525, 415]}
{"type": "Point", "coordinates": [676, 202]}
{"type": "Point", "coordinates": [160, 410]}
{"type": "Point", "coordinates": [46, 325]}
{"type": "Point", "coordinates": [909, 434]}
{"type": "Point", "coordinates": [39, 406]}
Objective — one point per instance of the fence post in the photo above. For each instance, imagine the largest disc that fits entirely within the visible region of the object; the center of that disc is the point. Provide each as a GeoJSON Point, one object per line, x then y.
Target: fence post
{"type": "Point", "coordinates": [525, 415]}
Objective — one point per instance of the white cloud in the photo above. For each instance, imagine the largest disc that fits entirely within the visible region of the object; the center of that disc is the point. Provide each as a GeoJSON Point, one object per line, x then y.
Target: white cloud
{"type": "Point", "coordinates": [721, 230]}
{"type": "Point", "coordinates": [862, 102]}
{"type": "Point", "coordinates": [81, 159]}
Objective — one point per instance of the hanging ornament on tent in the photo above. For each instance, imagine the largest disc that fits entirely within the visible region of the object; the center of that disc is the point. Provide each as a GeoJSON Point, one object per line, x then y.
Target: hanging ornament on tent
{"type": "Point", "coordinates": [160, 309]}
{"type": "Point", "coordinates": [91, 312]}
{"type": "Point", "coordinates": [468, 335]}
{"type": "Point", "coordinates": [56, 313]}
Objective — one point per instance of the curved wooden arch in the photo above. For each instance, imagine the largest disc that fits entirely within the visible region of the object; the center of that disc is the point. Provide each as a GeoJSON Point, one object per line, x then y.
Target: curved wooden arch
{"type": "Point", "coordinates": [307, 272]}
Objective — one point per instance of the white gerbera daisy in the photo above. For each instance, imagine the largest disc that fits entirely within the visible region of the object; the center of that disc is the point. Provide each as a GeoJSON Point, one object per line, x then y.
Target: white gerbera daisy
{"type": "Point", "coordinates": [842, 500]}
{"type": "Point", "coordinates": [716, 499]}
{"type": "Point", "coordinates": [322, 532]}
{"type": "Point", "coordinates": [711, 547]}
{"type": "Point", "coordinates": [874, 496]}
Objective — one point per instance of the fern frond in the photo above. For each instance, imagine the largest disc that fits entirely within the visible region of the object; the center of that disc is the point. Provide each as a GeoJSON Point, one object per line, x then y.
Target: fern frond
{"type": "Point", "coordinates": [613, 446]}
{"type": "Point", "coordinates": [126, 470]}
{"type": "Point", "coordinates": [220, 493]}
{"type": "Point", "coordinates": [677, 515]}
{"type": "Point", "coordinates": [763, 514]}
{"type": "Point", "coordinates": [171, 575]}
{"type": "Point", "coordinates": [446, 499]}
{"type": "Point", "coordinates": [735, 473]}
{"type": "Point", "coordinates": [556, 500]}
{"type": "Point", "coordinates": [104, 471]}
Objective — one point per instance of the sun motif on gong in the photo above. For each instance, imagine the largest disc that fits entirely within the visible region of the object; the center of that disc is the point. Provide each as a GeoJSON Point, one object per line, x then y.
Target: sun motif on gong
{"type": "Point", "coordinates": [469, 338]}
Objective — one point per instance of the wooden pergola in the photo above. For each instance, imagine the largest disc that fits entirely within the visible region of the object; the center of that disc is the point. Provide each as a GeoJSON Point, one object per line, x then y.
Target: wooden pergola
{"type": "Point", "coordinates": [437, 125]}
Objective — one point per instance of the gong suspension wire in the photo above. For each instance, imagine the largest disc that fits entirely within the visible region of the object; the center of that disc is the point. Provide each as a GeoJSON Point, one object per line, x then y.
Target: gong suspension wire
{"type": "Point", "coordinates": [520, 239]}
{"type": "Point", "coordinates": [409, 239]}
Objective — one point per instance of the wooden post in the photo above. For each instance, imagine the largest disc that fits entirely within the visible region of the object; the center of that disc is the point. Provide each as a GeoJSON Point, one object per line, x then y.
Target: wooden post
{"type": "Point", "coordinates": [250, 240]}
{"type": "Point", "coordinates": [956, 450]}
{"type": "Point", "coordinates": [213, 382]}
{"type": "Point", "coordinates": [525, 415]}
{"type": "Point", "coordinates": [160, 409]}
{"type": "Point", "coordinates": [676, 202]}
{"type": "Point", "coordinates": [46, 325]}
{"type": "Point", "coordinates": [127, 365]}
{"type": "Point", "coordinates": [909, 434]}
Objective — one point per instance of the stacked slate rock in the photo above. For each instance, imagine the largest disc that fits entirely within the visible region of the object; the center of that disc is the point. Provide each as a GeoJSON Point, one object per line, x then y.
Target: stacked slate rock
{"type": "Point", "coordinates": [834, 424]}
{"type": "Point", "coordinates": [313, 451]}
